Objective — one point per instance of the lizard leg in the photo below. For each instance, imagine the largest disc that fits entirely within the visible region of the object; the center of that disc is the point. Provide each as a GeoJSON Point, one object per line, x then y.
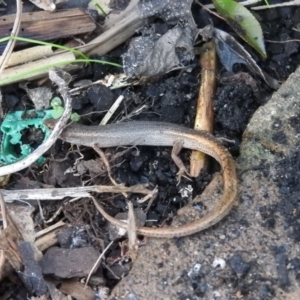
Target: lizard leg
{"type": "Point", "coordinates": [177, 146]}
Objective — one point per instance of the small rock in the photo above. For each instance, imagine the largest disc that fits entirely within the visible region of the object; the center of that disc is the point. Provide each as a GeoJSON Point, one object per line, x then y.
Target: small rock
{"type": "Point", "coordinates": [266, 292]}
{"type": "Point", "coordinates": [194, 271]}
{"type": "Point", "coordinates": [101, 97]}
{"type": "Point", "coordinates": [65, 237]}
{"type": "Point", "coordinates": [281, 264]}
{"type": "Point", "coordinates": [69, 263]}
{"type": "Point", "coordinates": [119, 271]}
{"type": "Point", "coordinates": [136, 163]}
{"type": "Point", "coordinates": [219, 262]}
{"type": "Point", "coordinates": [152, 219]}
{"type": "Point", "coordinates": [238, 265]}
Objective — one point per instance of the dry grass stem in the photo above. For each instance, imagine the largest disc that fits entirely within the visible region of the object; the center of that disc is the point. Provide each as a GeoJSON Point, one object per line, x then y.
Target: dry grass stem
{"type": "Point", "coordinates": [204, 115]}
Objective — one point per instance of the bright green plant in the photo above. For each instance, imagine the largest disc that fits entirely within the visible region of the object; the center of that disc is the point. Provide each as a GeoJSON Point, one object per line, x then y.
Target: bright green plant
{"type": "Point", "coordinates": [32, 41]}
{"type": "Point", "coordinates": [59, 64]}
{"type": "Point", "coordinates": [83, 59]}
{"type": "Point", "coordinates": [98, 6]}
{"type": "Point", "coordinates": [242, 22]}
{"type": "Point", "coordinates": [58, 110]}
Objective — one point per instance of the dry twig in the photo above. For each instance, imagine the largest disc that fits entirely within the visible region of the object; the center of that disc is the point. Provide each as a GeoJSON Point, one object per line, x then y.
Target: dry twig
{"type": "Point", "coordinates": [132, 235]}
{"type": "Point", "coordinates": [204, 114]}
{"type": "Point", "coordinates": [11, 43]}
{"type": "Point", "coordinates": [97, 262]}
{"type": "Point", "coordinates": [73, 192]}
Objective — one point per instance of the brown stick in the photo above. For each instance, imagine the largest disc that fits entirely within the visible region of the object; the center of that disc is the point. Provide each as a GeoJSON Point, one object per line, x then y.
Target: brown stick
{"type": "Point", "coordinates": [204, 114]}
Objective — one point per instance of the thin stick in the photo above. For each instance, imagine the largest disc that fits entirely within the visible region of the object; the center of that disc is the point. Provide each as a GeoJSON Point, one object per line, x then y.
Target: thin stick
{"type": "Point", "coordinates": [97, 262]}
{"type": "Point", "coordinates": [112, 110]}
{"type": "Point", "coordinates": [3, 211]}
{"type": "Point", "coordinates": [208, 8]}
{"type": "Point", "coordinates": [11, 43]}
{"type": "Point", "coordinates": [1, 108]}
{"type": "Point", "coordinates": [291, 3]}
{"type": "Point", "coordinates": [131, 231]}
{"type": "Point", "coordinates": [49, 229]}
{"type": "Point", "coordinates": [204, 114]}
{"type": "Point", "coordinates": [282, 42]}
{"type": "Point", "coordinates": [2, 264]}
{"type": "Point", "coordinates": [106, 163]}
{"type": "Point", "coordinates": [75, 192]}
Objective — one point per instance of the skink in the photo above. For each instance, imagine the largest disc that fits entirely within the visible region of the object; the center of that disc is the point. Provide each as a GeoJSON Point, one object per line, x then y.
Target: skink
{"type": "Point", "coordinates": [161, 134]}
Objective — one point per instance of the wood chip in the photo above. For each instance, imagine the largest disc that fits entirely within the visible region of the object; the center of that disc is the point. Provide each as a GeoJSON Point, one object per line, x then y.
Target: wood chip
{"type": "Point", "coordinates": [45, 25]}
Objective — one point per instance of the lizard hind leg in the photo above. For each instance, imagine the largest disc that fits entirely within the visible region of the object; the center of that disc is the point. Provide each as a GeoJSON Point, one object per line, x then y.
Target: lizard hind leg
{"type": "Point", "coordinates": [183, 172]}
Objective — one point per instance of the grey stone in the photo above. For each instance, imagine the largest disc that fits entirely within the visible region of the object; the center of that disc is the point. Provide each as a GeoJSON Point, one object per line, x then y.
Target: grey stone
{"type": "Point", "coordinates": [69, 263]}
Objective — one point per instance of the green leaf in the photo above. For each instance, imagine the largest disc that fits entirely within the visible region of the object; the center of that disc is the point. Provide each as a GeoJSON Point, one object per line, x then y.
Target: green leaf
{"type": "Point", "coordinates": [19, 38]}
{"type": "Point", "coordinates": [56, 101]}
{"type": "Point", "coordinates": [242, 22]}
{"type": "Point", "coordinates": [57, 111]}
{"type": "Point", "coordinates": [75, 117]}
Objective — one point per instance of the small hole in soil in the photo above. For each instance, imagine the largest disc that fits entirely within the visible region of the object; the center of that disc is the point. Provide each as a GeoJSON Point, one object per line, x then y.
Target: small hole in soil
{"type": "Point", "coordinates": [32, 136]}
